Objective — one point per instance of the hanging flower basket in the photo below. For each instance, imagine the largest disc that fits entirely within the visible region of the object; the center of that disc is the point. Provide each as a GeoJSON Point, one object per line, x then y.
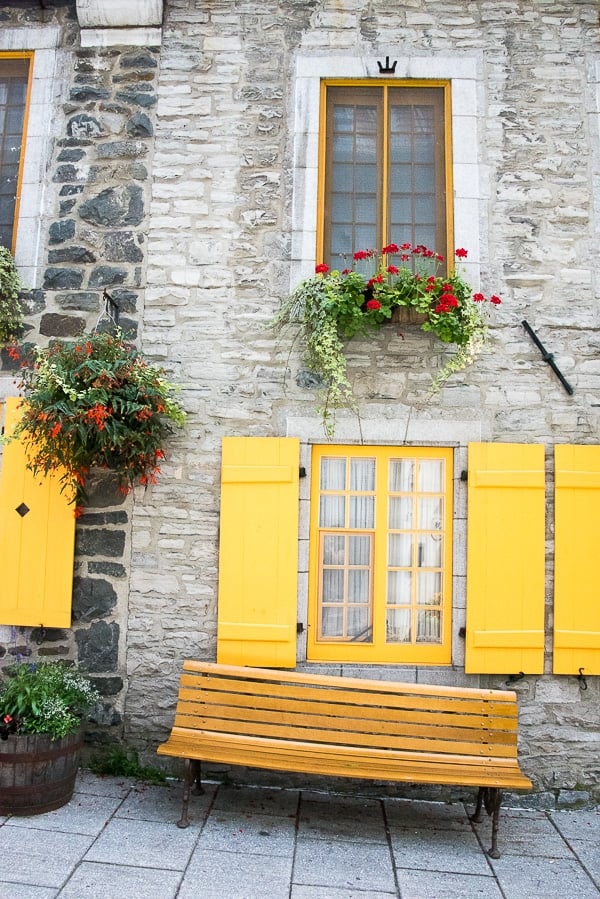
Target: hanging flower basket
{"type": "Point", "coordinates": [334, 306]}
{"type": "Point", "coordinates": [95, 403]}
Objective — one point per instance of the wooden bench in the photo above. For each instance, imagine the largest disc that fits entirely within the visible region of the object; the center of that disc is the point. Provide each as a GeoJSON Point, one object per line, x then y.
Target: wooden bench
{"type": "Point", "coordinates": [350, 727]}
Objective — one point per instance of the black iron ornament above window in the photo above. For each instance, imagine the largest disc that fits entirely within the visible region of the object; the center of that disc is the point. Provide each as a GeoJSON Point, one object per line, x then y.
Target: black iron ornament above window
{"type": "Point", "coordinates": [387, 69]}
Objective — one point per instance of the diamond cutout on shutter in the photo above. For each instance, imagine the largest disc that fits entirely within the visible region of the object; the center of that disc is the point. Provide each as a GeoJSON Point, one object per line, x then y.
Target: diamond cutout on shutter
{"type": "Point", "coordinates": [22, 510]}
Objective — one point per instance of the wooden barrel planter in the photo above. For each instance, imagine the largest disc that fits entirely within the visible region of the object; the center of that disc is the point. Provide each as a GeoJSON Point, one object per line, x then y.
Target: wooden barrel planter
{"type": "Point", "coordinates": [37, 774]}
{"type": "Point", "coordinates": [406, 315]}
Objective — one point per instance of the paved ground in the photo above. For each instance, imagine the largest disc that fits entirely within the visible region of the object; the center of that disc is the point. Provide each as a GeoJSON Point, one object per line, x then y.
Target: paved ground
{"type": "Point", "coordinates": [118, 840]}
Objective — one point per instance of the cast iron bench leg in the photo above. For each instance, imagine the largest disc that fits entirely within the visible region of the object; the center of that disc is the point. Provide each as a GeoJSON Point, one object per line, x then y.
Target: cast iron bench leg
{"type": "Point", "coordinates": [491, 798]}
{"type": "Point", "coordinates": [192, 783]}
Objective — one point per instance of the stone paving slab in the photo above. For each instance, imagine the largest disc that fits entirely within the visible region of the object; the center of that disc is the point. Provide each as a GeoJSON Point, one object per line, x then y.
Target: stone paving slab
{"type": "Point", "coordinates": [438, 850]}
{"type": "Point", "coordinates": [540, 878]}
{"type": "Point", "coordinates": [39, 857]}
{"type": "Point", "coordinates": [428, 885]}
{"type": "Point", "coordinates": [233, 875]}
{"type": "Point", "coordinates": [104, 881]}
{"type": "Point", "coordinates": [144, 844]}
{"type": "Point", "coordinates": [363, 866]}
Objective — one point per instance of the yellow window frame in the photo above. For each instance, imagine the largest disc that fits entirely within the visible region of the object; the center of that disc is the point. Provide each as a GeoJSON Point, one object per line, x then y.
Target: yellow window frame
{"type": "Point", "coordinates": [379, 651]}
{"type": "Point", "coordinates": [385, 84]}
{"type": "Point", "coordinates": [27, 56]}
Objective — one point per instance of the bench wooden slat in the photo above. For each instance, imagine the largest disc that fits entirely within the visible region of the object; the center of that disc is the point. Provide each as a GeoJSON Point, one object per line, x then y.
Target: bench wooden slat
{"type": "Point", "coordinates": [196, 715]}
{"type": "Point", "coordinates": [370, 764]}
{"type": "Point", "coordinates": [266, 674]}
{"type": "Point", "coordinates": [347, 736]}
{"type": "Point", "coordinates": [356, 697]}
{"type": "Point", "coordinates": [370, 715]}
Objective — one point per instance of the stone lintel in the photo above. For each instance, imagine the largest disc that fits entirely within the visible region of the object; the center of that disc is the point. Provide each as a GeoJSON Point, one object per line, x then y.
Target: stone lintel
{"type": "Point", "coordinates": [119, 14]}
{"type": "Point", "coordinates": [124, 37]}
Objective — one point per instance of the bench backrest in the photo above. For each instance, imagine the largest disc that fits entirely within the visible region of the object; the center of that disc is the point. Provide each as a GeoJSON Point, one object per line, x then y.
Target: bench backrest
{"type": "Point", "coordinates": [347, 711]}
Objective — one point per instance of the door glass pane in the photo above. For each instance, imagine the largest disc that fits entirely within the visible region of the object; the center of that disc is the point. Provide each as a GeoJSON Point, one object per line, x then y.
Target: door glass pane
{"type": "Point", "coordinates": [431, 473]}
{"type": "Point", "coordinates": [343, 118]}
{"type": "Point", "coordinates": [343, 148]}
{"type": "Point", "coordinates": [400, 550]}
{"type": "Point", "coordinates": [400, 512]}
{"type": "Point", "coordinates": [398, 626]}
{"type": "Point", "coordinates": [366, 148]}
{"type": "Point", "coordinates": [399, 587]}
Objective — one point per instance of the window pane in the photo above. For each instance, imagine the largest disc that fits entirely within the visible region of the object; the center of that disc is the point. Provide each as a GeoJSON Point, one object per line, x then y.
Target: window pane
{"type": "Point", "coordinates": [424, 210]}
{"type": "Point", "coordinates": [429, 627]}
{"type": "Point", "coordinates": [366, 119]}
{"type": "Point", "coordinates": [333, 585]}
{"type": "Point", "coordinates": [362, 474]}
{"type": "Point", "coordinates": [362, 512]}
{"type": "Point", "coordinates": [332, 512]}
{"type": "Point", "coordinates": [429, 588]}
{"type": "Point", "coordinates": [400, 148]}
{"type": "Point", "coordinates": [358, 586]}
{"type": "Point", "coordinates": [366, 148]}
{"type": "Point", "coordinates": [359, 550]}
{"type": "Point", "coordinates": [401, 210]}
{"type": "Point", "coordinates": [422, 119]}
{"type": "Point", "coordinates": [401, 118]}
{"type": "Point", "coordinates": [332, 622]}
{"type": "Point", "coordinates": [398, 626]}
{"type": "Point", "coordinates": [333, 550]}
{"type": "Point", "coordinates": [359, 627]}
{"type": "Point", "coordinates": [341, 240]}
{"type": "Point", "coordinates": [365, 239]}
{"type": "Point", "coordinates": [343, 118]}
{"type": "Point", "coordinates": [365, 179]}
{"type": "Point", "coordinates": [424, 179]}
{"type": "Point", "coordinates": [343, 177]}
{"type": "Point", "coordinates": [14, 75]}
{"type": "Point", "coordinates": [365, 209]}
{"type": "Point", "coordinates": [343, 148]}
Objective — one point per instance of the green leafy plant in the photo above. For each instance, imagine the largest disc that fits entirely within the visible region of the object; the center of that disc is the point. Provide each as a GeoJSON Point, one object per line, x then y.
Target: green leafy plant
{"type": "Point", "coordinates": [44, 698]}
{"type": "Point", "coordinates": [95, 402]}
{"type": "Point", "coordinates": [11, 313]}
{"type": "Point", "coordinates": [119, 762]}
{"type": "Point", "coordinates": [334, 306]}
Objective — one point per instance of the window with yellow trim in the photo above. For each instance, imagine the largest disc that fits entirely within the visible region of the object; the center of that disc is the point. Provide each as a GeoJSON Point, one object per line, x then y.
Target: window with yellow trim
{"type": "Point", "coordinates": [380, 555]}
{"type": "Point", "coordinates": [385, 163]}
{"type": "Point", "coordinates": [14, 83]}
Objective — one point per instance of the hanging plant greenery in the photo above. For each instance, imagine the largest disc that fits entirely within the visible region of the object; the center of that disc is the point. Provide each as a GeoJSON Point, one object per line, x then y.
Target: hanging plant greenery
{"type": "Point", "coordinates": [95, 402]}
{"type": "Point", "coordinates": [334, 306]}
{"type": "Point", "coordinates": [11, 313]}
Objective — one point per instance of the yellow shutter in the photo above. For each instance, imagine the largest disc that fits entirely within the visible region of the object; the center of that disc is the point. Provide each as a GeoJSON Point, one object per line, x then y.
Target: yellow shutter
{"type": "Point", "coordinates": [576, 531]}
{"type": "Point", "coordinates": [505, 559]}
{"type": "Point", "coordinates": [258, 553]}
{"type": "Point", "coordinates": [37, 538]}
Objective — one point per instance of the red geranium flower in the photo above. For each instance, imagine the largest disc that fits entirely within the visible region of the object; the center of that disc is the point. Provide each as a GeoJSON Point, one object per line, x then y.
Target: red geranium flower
{"type": "Point", "coordinates": [495, 300]}
{"type": "Point", "coordinates": [321, 268]}
{"type": "Point", "coordinates": [373, 305]}
{"type": "Point", "coordinates": [362, 254]}
{"type": "Point", "coordinates": [479, 297]}
{"type": "Point", "coordinates": [392, 270]}
{"type": "Point", "coordinates": [391, 248]}
{"type": "Point", "coordinates": [461, 253]}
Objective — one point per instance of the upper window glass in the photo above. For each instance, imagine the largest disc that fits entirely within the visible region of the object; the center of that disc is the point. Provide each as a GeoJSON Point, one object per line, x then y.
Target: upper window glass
{"type": "Point", "coordinates": [384, 169]}
{"type": "Point", "coordinates": [14, 80]}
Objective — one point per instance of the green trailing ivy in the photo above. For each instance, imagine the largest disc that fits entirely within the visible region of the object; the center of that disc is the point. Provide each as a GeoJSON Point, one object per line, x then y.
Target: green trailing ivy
{"type": "Point", "coordinates": [11, 313]}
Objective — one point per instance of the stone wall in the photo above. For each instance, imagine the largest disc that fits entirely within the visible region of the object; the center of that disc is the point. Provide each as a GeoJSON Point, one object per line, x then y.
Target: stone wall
{"type": "Point", "coordinates": [176, 190]}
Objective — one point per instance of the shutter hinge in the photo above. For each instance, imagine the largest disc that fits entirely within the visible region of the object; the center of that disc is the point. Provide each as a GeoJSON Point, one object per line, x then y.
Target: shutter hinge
{"type": "Point", "coordinates": [299, 627]}
{"type": "Point", "coordinates": [464, 476]}
{"type": "Point", "coordinates": [302, 471]}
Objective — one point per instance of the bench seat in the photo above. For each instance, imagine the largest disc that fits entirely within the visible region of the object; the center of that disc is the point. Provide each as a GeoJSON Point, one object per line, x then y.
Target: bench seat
{"type": "Point", "coordinates": [350, 727]}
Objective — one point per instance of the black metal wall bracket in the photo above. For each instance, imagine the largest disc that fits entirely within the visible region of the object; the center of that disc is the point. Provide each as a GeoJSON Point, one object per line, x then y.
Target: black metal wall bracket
{"type": "Point", "coordinates": [548, 357]}
{"type": "Point", "coordinates": [582, 681]}
{"type": "Point", "coordinates": [387, 69]}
